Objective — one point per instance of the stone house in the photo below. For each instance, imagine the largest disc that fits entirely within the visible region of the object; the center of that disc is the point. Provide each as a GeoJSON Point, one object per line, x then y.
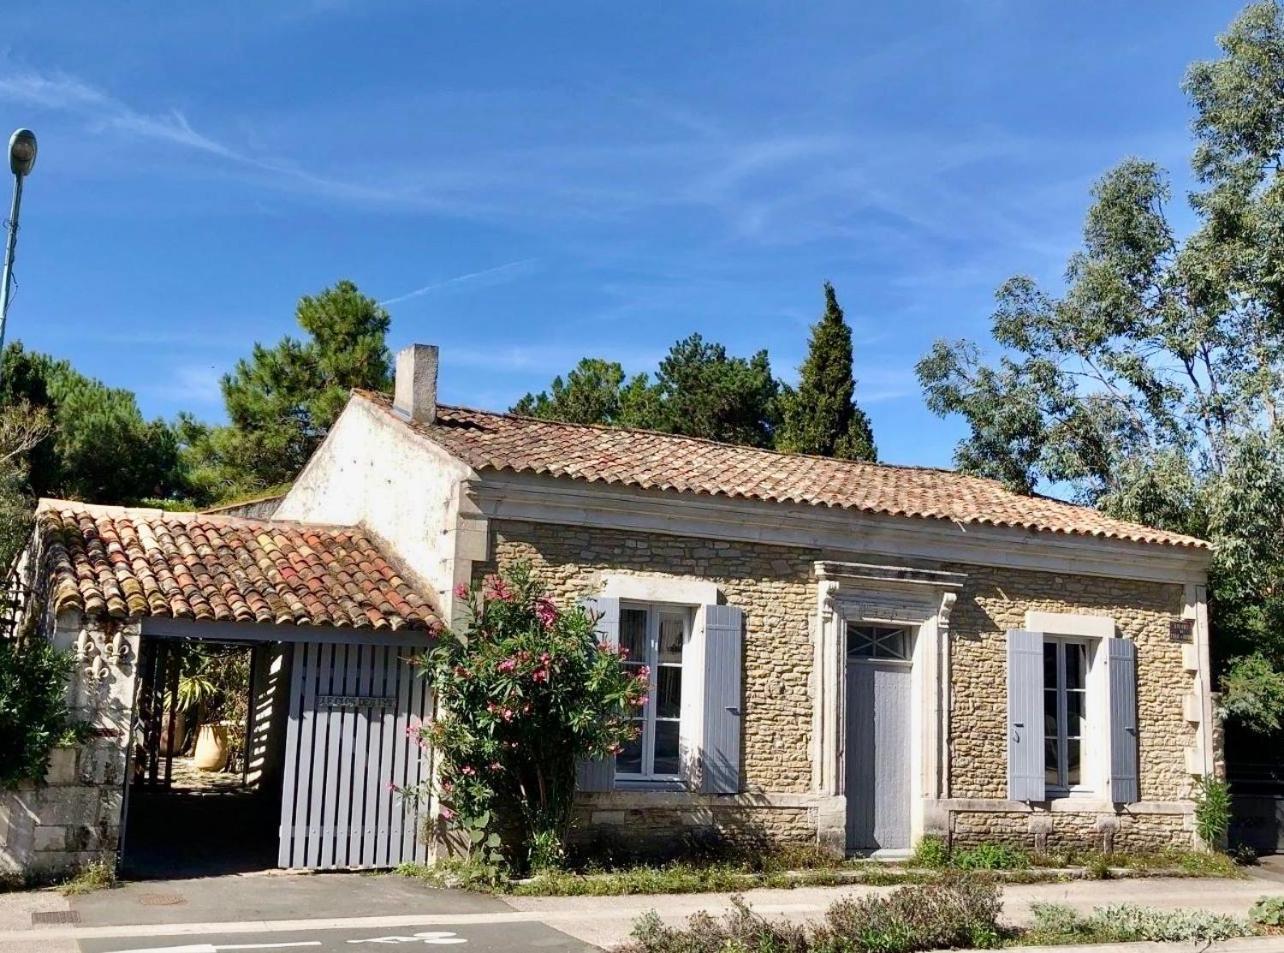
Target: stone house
{"type": "Point", "coordinates": [842, 653]}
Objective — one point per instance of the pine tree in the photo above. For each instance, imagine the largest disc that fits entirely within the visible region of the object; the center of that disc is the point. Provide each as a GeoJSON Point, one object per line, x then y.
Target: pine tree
{"type": "Point", "coordinates": [821, 416]}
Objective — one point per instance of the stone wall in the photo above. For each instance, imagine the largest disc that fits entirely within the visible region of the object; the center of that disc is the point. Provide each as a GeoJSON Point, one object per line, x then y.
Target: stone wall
{"type": "Point", "coordinates": [74, 815]}
{"type": "Point", "coordinates": [994, 601]}
{"type": "Point", "coordinates": [776, 588]}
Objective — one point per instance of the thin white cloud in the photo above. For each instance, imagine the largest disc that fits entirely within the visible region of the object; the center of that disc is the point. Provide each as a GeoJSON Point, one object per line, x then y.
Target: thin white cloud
{"type": "Point", "coordinates": [500, 273]}
{"type": "Point", "coordinates": [61, 92]}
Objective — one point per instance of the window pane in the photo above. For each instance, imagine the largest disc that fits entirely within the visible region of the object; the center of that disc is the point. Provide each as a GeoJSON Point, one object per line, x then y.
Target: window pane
{"type": "Point", "coordinates": [1050, 713]}
{"type": "Point", "coordinates": [1074, 714]}
{"type": "Point", "coordinates": [666, 747]}
{"type": "Point", "coordinates": [633, 633]}
{"type": "Point", "coordinates": [668, 691]}
{"type": "Point", "coordinates": [629, 761]}
{"type": "Point", "coordinates": [860, 642]}
{"type": "Point", "coordinates": [672, 628]}
{"type": "Point", "coordinates": [1075, 664]}
{"type": "Point", "coordinates": [1072, 762]}
{"type": "Point", "coordinates": [1051, 770]}
{"type": "Point", "coordinates": [1049, 664]}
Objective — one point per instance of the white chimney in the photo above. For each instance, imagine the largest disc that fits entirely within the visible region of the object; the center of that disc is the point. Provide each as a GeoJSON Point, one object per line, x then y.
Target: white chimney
{"type": "Point", "coordinates": [415, 394]}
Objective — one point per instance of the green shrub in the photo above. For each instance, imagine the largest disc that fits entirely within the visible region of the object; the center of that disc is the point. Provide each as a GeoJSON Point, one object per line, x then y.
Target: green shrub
{"type": "Point", "coordinates": [1268, 911]}
{"type": "Point", "coordinates": [1212, 810]}
{"type": "Point", "coordinates": [957, 913]}
{"type": "Point", "coordinates": [991, 857]}
{"type": "Point", "coordinates": [738, 931]}
{"type": "Point", "coordinates": [931, 851]}
{"type": "Point", "coordinates": [1129, 923]}
{"type": "Point", "coordinates": [33, 708]}
{"type": "Point", "coordinates": [954, 913]}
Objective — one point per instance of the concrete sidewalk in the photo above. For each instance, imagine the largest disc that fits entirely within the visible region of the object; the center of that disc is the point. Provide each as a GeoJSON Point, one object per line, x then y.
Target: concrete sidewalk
{"type": "Point", "coordinates": [607, 921]}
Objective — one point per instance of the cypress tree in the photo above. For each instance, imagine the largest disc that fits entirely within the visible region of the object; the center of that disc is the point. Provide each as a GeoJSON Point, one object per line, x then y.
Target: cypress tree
{"type": "Point", "coordinates": [821, 416]}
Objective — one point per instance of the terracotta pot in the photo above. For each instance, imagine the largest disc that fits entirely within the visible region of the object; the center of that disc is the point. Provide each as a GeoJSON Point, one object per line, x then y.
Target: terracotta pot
{"type": "Point", "coordinates": [172, 745]}
{"type": "Point", "coordinates": [211, 748]}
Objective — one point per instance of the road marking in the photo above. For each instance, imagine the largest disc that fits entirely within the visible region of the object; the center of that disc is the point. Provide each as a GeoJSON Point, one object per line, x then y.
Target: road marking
{"type": "Point", "coordinates": [427, 938]}
{"type": "Point", "coordinates": [211, 948]}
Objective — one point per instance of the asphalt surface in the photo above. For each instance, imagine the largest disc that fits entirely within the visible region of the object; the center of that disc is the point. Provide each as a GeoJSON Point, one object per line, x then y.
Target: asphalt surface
{"type": "Point", "coordinates": [487, 938]}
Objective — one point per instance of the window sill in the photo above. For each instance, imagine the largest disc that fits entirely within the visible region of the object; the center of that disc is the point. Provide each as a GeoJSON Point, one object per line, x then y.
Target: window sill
{"type": "Point", "coordinates": [638, 784]}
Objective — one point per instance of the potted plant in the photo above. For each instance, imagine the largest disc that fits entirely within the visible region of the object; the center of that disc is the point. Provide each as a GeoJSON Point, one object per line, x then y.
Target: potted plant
{"type": "Point", "coordinates": [201, 697]}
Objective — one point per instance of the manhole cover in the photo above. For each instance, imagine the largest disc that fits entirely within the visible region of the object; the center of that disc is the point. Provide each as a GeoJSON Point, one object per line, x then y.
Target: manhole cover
{"type": "Point", "coordinates": [161, 900]}
{"type": "Point", "coordinates": [54, 916]}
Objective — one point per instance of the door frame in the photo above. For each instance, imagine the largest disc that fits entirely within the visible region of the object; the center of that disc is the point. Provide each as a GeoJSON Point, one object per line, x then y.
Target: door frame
{"type": "Point", "coordinates": [919, 599]}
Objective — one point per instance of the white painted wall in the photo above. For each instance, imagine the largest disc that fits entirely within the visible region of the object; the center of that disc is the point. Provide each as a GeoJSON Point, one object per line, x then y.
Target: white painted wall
{"type": "Point", "coordinates": [398, 485]}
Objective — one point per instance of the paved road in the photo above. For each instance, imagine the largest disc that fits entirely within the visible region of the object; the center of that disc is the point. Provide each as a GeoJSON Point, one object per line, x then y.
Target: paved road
{"type": "Point", "coordinates": [471, 938]}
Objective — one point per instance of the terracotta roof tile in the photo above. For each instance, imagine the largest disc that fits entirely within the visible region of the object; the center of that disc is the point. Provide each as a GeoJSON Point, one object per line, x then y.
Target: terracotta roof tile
{"type": "Point", "coordinates": [650, 460]}
{"type": "Point", "coordinates": [127, 563]}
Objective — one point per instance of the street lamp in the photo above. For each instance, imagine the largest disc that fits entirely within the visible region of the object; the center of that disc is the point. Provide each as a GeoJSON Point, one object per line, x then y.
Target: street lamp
{"type": "Point", "coordinates": [22, 159]}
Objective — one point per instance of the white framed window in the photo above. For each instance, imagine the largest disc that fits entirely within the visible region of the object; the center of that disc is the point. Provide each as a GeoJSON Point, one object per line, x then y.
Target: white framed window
{"type": "Point", "coordinates": [1066, 734]}
{"type": "Point", "coordinates": [653, 635]}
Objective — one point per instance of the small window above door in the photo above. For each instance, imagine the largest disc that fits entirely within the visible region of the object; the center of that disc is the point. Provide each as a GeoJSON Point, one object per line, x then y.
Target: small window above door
{"type": "Point", "coordinates": [890, 642]}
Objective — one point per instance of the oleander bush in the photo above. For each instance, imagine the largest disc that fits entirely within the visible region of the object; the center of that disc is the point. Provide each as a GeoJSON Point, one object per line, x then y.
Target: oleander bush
{"type": "Point", "coordinates": [526, 691]}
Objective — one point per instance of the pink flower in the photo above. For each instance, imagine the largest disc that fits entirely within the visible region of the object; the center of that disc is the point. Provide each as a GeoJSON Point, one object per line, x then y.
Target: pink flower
{"type": "Point", "coordinates": [639, 702]}
{"type": "Point", "coordinates": [411, 730]}
{"type": "Point", "coordinates": [392, 787]}
{"type": "Point", "coordinates": [615, 748]}
{"type": "Point", "coordinates": [468, 770]}
{"type": "Point", "coordinates": [462, 591]}
{"type": "Point", "coordinates": [539, 675]}
{"type": "Point", "coordinates": [496, 766]}
{"type": "Point", "coordinates": [644, 672]}
{"type": "Point", "coordinates": [446, 787]}
{"type": "Point", "coordinates": [546, 612]}
{"type": "Point", "coordinates": [497, 589]}
{"type": "Point", "coordinates": [507, 665]}
{"type": "Point", "coordinates": [507, 714]}
{"type": "Point", "coordinates": [446, 813]}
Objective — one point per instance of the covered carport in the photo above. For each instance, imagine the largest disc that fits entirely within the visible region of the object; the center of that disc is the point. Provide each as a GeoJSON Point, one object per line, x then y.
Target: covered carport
{"type": "Point", "coordinates": [333, 704]}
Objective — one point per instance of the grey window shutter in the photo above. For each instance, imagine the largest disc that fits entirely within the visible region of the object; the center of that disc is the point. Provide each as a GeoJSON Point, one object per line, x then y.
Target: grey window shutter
{"type": "Point", "coordinates": [599, 774]}
{"type": "Point", "coordinates": [1121, 662]}
{"type": "Point", "coordinates": [1025, 716]}
{"type": "Point", "coordinates": [721, 721]}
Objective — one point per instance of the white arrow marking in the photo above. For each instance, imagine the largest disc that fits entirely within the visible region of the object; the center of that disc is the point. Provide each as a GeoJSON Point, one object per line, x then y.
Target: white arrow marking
{"type": "Point", "coordinates": [211, 948]}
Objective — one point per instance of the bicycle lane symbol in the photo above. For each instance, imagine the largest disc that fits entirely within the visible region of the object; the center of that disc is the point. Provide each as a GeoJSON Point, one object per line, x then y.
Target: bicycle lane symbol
{"type": "Point", "coordinates": [427, 938]}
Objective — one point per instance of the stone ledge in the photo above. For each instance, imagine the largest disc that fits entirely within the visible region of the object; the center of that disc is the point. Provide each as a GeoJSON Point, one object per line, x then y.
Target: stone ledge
{"type": "Point", "coordinates": [1067, 806]}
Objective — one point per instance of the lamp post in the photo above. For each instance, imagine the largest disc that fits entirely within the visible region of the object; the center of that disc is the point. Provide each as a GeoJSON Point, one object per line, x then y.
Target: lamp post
{"type": "Point", "coordinates": [22, 159]}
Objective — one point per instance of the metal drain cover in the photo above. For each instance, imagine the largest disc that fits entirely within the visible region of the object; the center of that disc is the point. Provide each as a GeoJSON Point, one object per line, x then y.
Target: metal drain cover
{"type": "Point", "coordinates": [47, 917]}
{"type": "Point", "coordinates": [162, 899]}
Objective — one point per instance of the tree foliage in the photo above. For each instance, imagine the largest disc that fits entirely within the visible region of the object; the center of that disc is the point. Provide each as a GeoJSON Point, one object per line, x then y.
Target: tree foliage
{"type": "Point", "coordinates": [821, 417]}
{"type": "Point", "coordinates": [99, 447]}
{"type": "Point", "coordinates": [33, 707]}
{"type": "Point", "coordinates": [699, 390]}
{"type": "Point", "coordinates": [1150, 384]}
{"type": "Point", "coordinates": [281, 400]}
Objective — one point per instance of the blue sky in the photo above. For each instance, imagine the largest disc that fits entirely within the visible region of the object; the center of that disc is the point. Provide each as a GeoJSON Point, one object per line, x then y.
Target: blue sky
{"type": "Point", "coordinates": [525, 183]}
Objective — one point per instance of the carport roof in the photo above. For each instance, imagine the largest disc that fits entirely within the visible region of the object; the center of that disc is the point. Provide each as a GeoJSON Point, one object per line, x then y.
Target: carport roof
{"type": "Point", "coordinates": [127, 563]}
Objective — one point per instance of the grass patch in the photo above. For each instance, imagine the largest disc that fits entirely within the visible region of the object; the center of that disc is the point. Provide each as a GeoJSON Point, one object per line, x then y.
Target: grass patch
{"type": "Point", "coordinates": [98, 875]}
{"type": "Point", "coordinates": [787, 868]}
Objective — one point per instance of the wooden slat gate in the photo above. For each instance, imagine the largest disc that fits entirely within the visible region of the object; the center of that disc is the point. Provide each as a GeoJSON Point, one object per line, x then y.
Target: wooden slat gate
{"type": "Point", "coordinates": [350, 750]}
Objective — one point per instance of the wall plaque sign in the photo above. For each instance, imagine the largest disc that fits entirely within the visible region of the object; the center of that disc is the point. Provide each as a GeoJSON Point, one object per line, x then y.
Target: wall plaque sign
{"type": "Point", "coordinates": [355, 701]}
{"type": "Point", "coordinates": [1181, 630]}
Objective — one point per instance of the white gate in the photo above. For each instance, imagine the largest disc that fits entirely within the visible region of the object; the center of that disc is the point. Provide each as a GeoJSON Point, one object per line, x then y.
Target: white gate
{"type": "Point", "coordinates": [350, 750]}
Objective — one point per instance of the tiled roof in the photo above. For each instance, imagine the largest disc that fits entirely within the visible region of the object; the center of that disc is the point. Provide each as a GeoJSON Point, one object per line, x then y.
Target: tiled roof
{"type": "Point", "coordinates": [125, 563]}
{"type": "Point", "coordinates": [650, 460]}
